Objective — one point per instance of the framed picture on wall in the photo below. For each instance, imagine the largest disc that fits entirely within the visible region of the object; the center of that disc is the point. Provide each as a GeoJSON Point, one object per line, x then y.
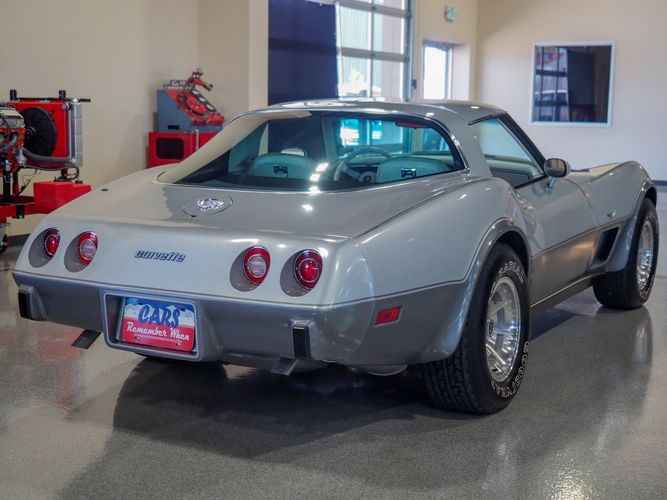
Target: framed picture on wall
{"type": "Point", "coordinates": [572, 83]}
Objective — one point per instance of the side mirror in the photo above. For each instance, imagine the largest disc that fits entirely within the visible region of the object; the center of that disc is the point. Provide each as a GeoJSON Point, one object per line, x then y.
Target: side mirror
{"type": "Point", "coordinates": [555, 167]}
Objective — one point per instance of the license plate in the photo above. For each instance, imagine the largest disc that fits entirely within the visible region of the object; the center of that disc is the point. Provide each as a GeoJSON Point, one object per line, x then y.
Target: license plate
{"type": "Point", "coordinates": [155, 323]}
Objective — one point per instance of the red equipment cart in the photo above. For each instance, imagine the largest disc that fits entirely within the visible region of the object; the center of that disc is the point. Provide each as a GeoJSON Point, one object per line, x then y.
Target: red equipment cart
{"type": "Point", "coordinates": [43, 134]}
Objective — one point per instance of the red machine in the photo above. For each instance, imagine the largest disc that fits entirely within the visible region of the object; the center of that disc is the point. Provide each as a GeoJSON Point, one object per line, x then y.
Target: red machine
{"type": "Point", "coordinates": [186, 120]}
{"type": "Point", "coordinates": [191, 101]}
{"type": "Point", "coordinates": [40, 134]}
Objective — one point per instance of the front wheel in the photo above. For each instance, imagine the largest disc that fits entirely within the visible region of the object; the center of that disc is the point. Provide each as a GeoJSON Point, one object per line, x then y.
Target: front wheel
{"type": "Point", "coordinates": [485, 372]}
{"type": "Point", "coordinates": [630, 287]}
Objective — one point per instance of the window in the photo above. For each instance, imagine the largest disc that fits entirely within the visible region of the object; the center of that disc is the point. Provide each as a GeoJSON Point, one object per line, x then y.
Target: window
{"type": "Point", "coordinates": [507, 157]}
{"type": "Point", "coordinates": [437, 64]}
{"type": "Point", "coordinates": [572, 83]}
{"type": "Point", "coordinates": [318, 151]}
{"type": "Point", "coordinates": [373, 48]}
{"type": "Point", "coordinates": [396, 137]}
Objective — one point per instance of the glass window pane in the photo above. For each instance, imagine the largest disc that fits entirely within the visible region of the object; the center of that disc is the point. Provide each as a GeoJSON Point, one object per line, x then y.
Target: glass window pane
{"type": "Point", "coordinates": [396, 4]}
{"type": "Point", "coordinates": [384, 133]}
{"type": "Point", "coordinates": [388, 34]}
{"type": "Point", "coordinates": [354, 29]}
{"type": "Point", "coordinates": [503, 151]}
{"type": "Point", "coordinates": [388, 79]}
{"type": "Point", "coordinates": [355, 77]}
{"type": "Point", "coordinates": [349, 132]}
{"type": "Point", "coordinates": [288, 150]}
{"type": "Point", "coordinates": [572, 83]}
{"type": "Point", "coordinates": [436, 68]}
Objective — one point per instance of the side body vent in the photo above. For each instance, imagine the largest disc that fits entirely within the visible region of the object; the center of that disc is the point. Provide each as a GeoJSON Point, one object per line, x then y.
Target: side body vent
{"type": "Point", "coordinates": [606, 244]}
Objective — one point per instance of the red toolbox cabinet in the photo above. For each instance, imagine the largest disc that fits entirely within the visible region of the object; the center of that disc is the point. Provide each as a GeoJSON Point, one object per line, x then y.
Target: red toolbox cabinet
{"type": "Point", "coordinates": [172, 147]}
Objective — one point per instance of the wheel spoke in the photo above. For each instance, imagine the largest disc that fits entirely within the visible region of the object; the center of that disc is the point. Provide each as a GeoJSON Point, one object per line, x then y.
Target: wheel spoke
{"type": "Point", "coordinates": [645, 254]}
{"type": "Point", "coordinates": [503, 328]}
{"type": "Point", "coordinates": [495, 308]}
{"type": "Point", "coordinates": [497, 356]}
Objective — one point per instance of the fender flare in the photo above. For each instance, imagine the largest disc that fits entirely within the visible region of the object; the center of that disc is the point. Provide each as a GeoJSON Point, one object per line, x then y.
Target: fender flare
{"type": "Point", "coordinates": [621, 250]}
{"type": "Point", "coordinates": [447, 341]}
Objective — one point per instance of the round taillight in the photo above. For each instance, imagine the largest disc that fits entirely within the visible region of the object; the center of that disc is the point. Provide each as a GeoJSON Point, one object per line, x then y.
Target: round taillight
{"type": "Point", "coordinates": [256, 262]}
{"type": "Point", "coordinates": [308, 268]}
{"type": "Point", "coordinates": [87, 246]}
{"type": "Point", "coordinates": [51, 242]}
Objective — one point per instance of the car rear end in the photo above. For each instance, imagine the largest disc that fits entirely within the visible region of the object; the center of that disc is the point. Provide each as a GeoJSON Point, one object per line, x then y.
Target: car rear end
{"type": "Point", "coordinates": [190, 292]}
{"type": "Point", "coordinates": [250, 251]}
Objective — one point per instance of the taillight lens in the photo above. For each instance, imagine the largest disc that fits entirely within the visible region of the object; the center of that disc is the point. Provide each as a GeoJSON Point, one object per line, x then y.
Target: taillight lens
{"type": "Point", "coordinates": [87, 246]}
{"type": "Point", "coordinates": [256, 262]}
{"type": "Point", "coordinates": [308, 268]}
{"type": "Point", "coordinates": [51, 242]}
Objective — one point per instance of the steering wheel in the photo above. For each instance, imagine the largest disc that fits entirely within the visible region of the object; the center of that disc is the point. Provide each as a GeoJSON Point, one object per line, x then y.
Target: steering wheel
{"type": "Point", "coordinates": [343, 167]}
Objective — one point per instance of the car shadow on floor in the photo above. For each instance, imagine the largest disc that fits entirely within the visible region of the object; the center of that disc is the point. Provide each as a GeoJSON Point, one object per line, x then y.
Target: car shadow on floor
{"type": "Point", "coordinates": [337, 420]}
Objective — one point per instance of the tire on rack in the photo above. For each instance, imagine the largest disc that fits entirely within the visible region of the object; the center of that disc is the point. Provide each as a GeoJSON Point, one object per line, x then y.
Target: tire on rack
{"type": "Point", "coordinates": [479, 377]}
{"type": "Point", "coordinates": [630, 287]}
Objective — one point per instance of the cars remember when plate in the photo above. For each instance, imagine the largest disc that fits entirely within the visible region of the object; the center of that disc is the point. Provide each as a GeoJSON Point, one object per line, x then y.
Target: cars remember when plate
{"type": "Point", "coordinates": [154, 323]}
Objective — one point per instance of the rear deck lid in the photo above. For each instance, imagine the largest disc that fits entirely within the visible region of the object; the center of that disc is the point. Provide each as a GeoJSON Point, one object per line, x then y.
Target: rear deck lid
{"type": "Point", "coordinates": [140, 199]}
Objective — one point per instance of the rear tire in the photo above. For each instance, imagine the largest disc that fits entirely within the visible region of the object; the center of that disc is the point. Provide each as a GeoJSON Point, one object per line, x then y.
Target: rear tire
{"type": "Point", "coordinates": [630, 287]}
{"type": "Point", "coordinates": [480, 377]}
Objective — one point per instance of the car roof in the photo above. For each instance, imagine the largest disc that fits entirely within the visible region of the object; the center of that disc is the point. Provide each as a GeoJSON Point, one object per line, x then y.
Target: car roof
{"type": "Point", "coordinates": [472, 111]}
{"type": "Point", "coordinates": [469, 111]}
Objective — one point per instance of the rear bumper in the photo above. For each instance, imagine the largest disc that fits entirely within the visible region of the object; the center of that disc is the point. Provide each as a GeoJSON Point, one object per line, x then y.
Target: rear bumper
{"type": "Point", "coordinates": [259, 333]}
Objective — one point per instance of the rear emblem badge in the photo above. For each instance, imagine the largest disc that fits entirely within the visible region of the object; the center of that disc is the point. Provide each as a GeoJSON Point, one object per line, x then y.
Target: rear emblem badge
{"type": "Point", "coordinates": [207, 206]}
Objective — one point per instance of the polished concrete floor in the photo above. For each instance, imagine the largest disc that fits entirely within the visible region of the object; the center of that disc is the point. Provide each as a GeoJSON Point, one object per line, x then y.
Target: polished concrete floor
{"type": "Point", "coordinates": [590, 420]}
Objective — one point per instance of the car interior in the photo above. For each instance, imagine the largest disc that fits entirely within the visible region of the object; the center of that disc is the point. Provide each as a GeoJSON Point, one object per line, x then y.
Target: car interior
{"type": "Point", "coordinates": [338, 151]}
{"type": "Point", "coordinates": [364, 150]}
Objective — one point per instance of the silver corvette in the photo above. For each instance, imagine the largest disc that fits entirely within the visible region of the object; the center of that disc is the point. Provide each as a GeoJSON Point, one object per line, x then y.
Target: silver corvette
{"type": "Point", "coordinates": [362, 233]}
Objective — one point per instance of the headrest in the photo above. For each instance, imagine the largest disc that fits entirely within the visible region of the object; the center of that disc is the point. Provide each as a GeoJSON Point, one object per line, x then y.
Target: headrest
{"type": "Point", "coordinates": [282, 165]}
{"type": "Point", "coordinates": [408, 167]}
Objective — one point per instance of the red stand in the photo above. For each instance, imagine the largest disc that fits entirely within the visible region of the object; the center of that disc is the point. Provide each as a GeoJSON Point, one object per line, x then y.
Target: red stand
{"type": "Point", "coordinates": [48, 196]}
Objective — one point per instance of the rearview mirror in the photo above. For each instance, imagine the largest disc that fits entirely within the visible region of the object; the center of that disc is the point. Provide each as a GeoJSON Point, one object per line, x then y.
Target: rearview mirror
{"type": "Point", "coordinates": [555, 167]}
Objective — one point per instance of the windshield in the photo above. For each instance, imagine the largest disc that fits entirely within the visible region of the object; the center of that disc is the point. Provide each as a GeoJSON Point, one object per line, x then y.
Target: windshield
{"type": "Point", "coordinates": [318, 151]}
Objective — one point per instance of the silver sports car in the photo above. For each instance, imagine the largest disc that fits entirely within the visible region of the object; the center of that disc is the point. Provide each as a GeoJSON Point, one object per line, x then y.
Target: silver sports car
{"type": "Point", "coordinates": [364, 233]}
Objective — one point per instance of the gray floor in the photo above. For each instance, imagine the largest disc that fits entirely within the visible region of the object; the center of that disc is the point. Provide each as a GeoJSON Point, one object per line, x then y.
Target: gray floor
{"type": "Point", "coordinates": [590, 420]}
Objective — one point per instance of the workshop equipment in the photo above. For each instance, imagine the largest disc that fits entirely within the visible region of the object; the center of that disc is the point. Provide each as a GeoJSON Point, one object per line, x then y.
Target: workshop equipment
{"type": "Point", "coordinates": [40, 134]}
{"type": "Point", "coordinates": [186, 120]}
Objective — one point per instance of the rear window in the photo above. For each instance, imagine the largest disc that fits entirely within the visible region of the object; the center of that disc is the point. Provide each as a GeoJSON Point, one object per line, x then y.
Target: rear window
{"type": "Point", "coordinates": [318, 151]}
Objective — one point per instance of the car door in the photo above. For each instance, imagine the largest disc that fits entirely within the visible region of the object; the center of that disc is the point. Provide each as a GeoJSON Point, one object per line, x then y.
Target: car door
{"type": "Point", "coordinates": [561, 224]}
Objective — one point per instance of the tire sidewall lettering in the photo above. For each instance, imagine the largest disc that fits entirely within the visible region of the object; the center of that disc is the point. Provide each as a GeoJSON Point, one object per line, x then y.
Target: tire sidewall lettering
{"type": "Point", "coordinates": [509, 390]}
{"type": "Point", "coordinates": [512, 267]}
{"type": "Point", "coordinates": [514, 270]}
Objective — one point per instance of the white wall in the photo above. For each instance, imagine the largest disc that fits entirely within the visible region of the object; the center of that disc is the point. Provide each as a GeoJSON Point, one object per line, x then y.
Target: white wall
{"type": "Point", "coordinates": [117, 53]}
{"type": "Point", "coordinates": [507, 30]}
{"type": "Point", "coordinates": [430, 24]}
{"type": "Point", "coordinates": [233, 52]}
